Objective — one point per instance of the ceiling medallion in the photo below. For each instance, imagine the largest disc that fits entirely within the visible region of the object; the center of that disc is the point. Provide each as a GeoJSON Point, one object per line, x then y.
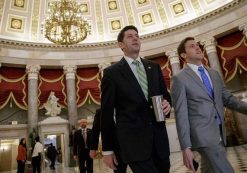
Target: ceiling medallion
{"type": "Point", "coordinates": [112, 5]}
{"type": "Point", "coordinates": [178, 8]}
{"type": "Point", "coordinates": [16, 23]}
{"type": "Point", "coordinates": [19, 3]}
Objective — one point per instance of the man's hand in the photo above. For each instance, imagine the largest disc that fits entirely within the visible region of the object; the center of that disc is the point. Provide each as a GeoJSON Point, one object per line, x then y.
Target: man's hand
{"type": "Point", "coordinates": [110, 161]}
{"type": "Point", "coordinates": [75, 157]}
{"type": "Point", "coordinates": [93, 154]}
{"type": "Point", "coordinates": [188, 157]}
{"type": "Point", "coordinates": [166, 107]}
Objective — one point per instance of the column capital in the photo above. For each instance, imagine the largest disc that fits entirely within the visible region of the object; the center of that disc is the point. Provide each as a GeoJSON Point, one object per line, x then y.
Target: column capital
{"type": "Point", "coordinates": [209, 44]}
{"type": "Point", "coordinates": [70, 71]}
{"type": "Point", "coordinates": [33, 71]}
{"type": "Point", "coordinates": [102, 66]}
{"type": "Point", "coordinates": [208, 41]}
{"type": "Point", "coordinates": [243, 28]}
{"type": "Point", "coordinates": [172, 56]}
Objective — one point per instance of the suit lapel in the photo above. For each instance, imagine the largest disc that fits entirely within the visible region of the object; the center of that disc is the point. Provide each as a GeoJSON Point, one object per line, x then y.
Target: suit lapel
{"type": "Point", "coordinates": [130, 77]}
{"type": "Point", "coordinates": [197, 79]}
{"type": "Point", "coordinates": [81, 136]}
{"type": "Point", "coordinates": [213, 80]}
{"type": "Point", "coordinates": [148, 69]}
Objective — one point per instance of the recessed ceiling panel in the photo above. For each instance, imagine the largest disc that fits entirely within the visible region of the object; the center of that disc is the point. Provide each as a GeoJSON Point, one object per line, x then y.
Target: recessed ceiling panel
{"type": "Point", "coordinates": [23, 19]}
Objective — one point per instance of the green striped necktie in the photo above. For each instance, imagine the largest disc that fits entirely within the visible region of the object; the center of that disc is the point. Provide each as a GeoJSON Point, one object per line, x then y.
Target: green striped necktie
{"type": "Point", "coordinates": [142, 77]}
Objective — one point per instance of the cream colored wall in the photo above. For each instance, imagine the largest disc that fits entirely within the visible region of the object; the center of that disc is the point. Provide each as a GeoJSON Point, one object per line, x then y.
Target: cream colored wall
{"type": "Point", "coordinates": [5, 160]}
{"type": "Point", "coordinates": [8, 156]}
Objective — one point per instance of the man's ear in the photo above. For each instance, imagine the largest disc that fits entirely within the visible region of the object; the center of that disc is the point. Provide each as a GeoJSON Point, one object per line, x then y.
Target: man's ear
{"type": "Point", "coordinates": [183, 55]}
{"type": "Point", "coordinates": [120, 45]}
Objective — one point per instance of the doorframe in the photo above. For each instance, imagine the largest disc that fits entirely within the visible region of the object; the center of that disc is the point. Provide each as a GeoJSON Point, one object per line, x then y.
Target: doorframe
{"type": "Point", "coordinates": [56, 125]}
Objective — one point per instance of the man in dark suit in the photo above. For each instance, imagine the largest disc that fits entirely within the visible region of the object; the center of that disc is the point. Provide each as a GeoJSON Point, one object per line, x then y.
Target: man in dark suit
{"type": "Point", "coordinates": [127, 112]}
{"type": "Point", "coordinates": [52, 154]}
{"type": "Point", "coordinates": [121, 167]}
{"type": "Point", "coordinates": [199, 96]}
{"type": "Point", "coordinates": [81, 148]}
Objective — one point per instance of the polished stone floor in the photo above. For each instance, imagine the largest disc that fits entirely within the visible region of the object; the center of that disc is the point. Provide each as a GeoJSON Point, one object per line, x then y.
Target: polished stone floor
{"type": "Point", "coordinates": [237, 156]}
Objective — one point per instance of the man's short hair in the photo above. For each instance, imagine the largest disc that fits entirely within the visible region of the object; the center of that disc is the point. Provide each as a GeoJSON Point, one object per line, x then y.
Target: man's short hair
{"type": "Point", "coordinates": [181, 46]}
{"type": "Point", "coordinates": [83, 121]}
{"type": "Point", "coordinates": [126, 28]}
{"type": "Point", "coordinates": [37, 139]}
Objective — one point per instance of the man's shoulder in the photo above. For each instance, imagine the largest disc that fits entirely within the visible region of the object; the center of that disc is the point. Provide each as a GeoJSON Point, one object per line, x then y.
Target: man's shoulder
{"type": "Point", "coordinates": [114, 68]}
{"type": "Point", "coordinates": [181, 73]}
{"type": "Point", "coordinates": [78, 131]}
{"type": "Point", "coordinates": [89, 129]}
{"type": "Point", "coordinates": [115, 65]}
{"type": "Point", "coordinates": [150, 62]}
{"type": "Point", "coordinates": [212, 70]}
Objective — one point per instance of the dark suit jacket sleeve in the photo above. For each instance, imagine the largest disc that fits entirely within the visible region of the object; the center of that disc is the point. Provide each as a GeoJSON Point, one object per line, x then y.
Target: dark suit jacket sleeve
{"type": "Point", "coordinates": [75, 144]}
{"type": "Point", "coordinates": [163, 87]}
{"type": "Point", "coordinates": [108, 88]}
{"type": "Point", "coordinates": [95, 131]}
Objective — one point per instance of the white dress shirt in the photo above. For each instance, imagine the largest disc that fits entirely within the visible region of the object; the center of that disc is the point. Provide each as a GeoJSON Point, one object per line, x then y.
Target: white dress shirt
{"type": "Point", "coordinates": [38, 148]}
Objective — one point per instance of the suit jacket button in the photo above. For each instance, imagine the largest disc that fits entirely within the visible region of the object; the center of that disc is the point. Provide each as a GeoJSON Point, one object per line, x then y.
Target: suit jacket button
{"type": "Point", "coordinates": [151, 107]}
{"type": "Point", "coordinates": [215, 117]}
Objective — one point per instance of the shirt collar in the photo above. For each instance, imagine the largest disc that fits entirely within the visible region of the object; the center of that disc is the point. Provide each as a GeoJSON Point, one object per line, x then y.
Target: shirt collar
{"type": "Point", "coordinates": [194, 67]}
{"type": "Point", "coordinates": [130, 60]}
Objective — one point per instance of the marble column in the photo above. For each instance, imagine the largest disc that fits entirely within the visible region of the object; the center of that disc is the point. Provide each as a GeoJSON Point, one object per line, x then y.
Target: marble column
{"type": "Point", "coordinates": [210, 47]}
{"type": "Point", "coordinates": [70, 72]}
{"type": "Point", "coordinates": [244, 29]}
{"type": "Point", "coordinates": [33, 72]}
{"type": "Point", "coordinates": [102, 66]}
{"type": "Point", "coordinates": [174, 60]}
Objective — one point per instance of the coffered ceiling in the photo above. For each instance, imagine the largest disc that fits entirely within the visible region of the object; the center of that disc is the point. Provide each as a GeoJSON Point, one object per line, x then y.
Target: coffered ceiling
{"type": "Point", "coordinates": [22, 19]}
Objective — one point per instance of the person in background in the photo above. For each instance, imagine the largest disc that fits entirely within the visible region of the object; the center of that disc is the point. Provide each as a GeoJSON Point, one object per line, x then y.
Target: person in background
{"type": "Point", "coordinates": [81, 147]}
{"type": "Point", "coordinates": [95, 135]}
{"type": "Point", "coordinates": [127, 112]}
{"type": "Point", "coordinates": [52, 154]}
{"type": "Point", "coordinates": [37, 155]}
{"type": "Point", "coordinates": [21, 156]}
{"type": "Point", "coordinates": [121, 167]}
{"type": "Point", "coordinates": [32, 137]}
{"type": "Point", "coordinates": [199, 96]}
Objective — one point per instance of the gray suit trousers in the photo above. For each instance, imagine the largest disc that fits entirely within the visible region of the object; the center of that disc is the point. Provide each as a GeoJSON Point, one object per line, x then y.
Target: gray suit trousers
{"type": "Point", "coordinates": [214, 159]}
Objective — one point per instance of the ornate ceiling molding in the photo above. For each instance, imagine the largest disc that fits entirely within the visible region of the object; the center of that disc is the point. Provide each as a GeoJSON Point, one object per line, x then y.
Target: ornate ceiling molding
{"type": "Point", "coordinates": [111, 44]}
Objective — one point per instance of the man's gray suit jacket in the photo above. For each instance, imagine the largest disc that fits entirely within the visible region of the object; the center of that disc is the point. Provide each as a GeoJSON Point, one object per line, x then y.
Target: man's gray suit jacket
{"type": "Point", "coordinates": [196, 111]}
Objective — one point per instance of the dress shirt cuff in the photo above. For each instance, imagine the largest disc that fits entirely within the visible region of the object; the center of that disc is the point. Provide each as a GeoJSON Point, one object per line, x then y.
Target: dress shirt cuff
{"type": "Point", "coordinates": [186, 148]}
{"type": "Point", "coordinates": [105, 153]}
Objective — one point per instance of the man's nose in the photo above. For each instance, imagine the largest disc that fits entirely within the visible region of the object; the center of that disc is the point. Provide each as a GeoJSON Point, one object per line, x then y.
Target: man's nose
{"type": "Point", "coordinates": [135, 38]}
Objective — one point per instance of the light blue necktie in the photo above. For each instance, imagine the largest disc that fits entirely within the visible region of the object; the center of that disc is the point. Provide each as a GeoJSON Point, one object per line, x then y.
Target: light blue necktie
{"type": "Point", "coordinates": [142, 77]}
{"type": "Point", "coordinates": [208, 85]}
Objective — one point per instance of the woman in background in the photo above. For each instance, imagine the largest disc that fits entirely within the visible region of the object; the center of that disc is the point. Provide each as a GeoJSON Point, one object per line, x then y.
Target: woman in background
{"type": "Point", "coordinates": [21, 156]}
